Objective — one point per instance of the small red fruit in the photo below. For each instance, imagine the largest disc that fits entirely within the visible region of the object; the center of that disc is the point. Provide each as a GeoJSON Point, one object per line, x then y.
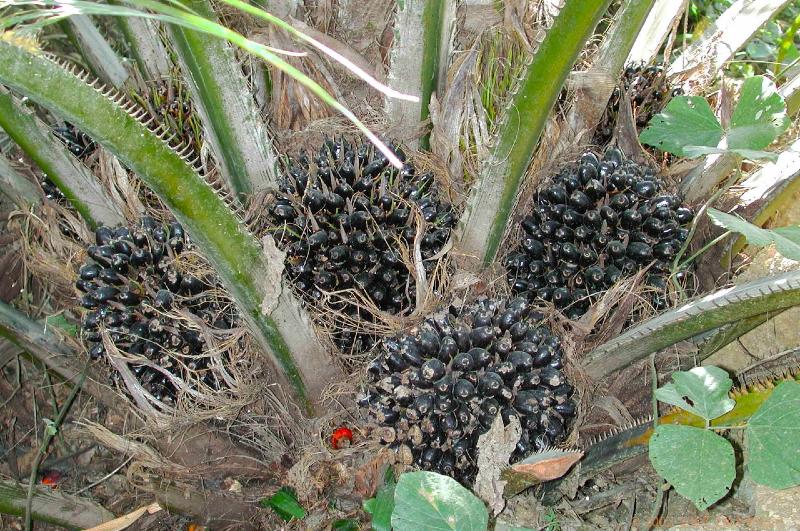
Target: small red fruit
{"type": "Point", "coordinates": [339, 435]}
{"type": "Point", "coordinates": [51, 478]}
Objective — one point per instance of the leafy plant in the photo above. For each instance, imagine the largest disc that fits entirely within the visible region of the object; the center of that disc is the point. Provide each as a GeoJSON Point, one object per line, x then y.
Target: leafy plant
{"type": "Point", "coordinates": [699, 463]}
{"type": "Point", "coordinates": [786, 239]}
{"type": "Point", "coordinates": [689, 128]}
{"type": "Point", "coordinates": [347, 524]}
{"type": "Point", "coordinates": [285, 504]}
{"type": "Point", "coordinates": [551, 520]}
{"type": "Point", "coordinates": [381, 506]}
{"type": "Point", "coordinates": [772, 442]}
{"type": "Point", "coordinates": [427, 500]}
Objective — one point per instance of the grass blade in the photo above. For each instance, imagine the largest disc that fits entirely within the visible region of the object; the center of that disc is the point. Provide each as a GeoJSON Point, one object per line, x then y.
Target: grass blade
{"type": "Point", "coordinates": [330, 52]}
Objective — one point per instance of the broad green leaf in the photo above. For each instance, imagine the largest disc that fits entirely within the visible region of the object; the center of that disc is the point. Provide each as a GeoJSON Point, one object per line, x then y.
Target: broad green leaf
{"type": "Point", "coordinates": [758, 49]}
{"type": "Point", "coordinates": [786, 239]}
{"type": "Point", "coordinates": [50, 427]}
{"type": "Point", "coordinates": [755, 154]}
{"type": "Point", "coordinates": [755, 235]}
{"type": "Point", "coordinates": [60, 322]}
{"type": "Point", "coordinates": [786, 246]}
{"type": "Point", "coordinates": [759, 116]}
{"type": "Point", "coordinates": [688, 127]}
{"type": "Point", "coordinates": [702, 391]}
{"type": "Point", "coordinates": [773, 439]}
{"type": "Point", "coordinates": [345, 525]}
{"type": "Point", "coordinates": [697, 462]}
{"type": "Point", "coordinates": [686, 121]}
{"type": "Point", "coordinates": [382, 505]}
{"type": "Point", "coordinates": [791, 233]}
{"type": "Point", "coordinates": [752, 154]}
{"type": "Point", "coordinates": [284, 502]}
{"type": "Point", "coordinates": [426, 501]}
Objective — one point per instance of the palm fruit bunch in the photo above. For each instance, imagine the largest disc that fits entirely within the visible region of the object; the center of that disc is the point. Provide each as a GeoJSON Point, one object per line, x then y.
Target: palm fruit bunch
{"type": "Point", "coordinates": [647, 86]}
{"type": "Point", "coordinates": [434, 390]}
{"type": "Point", "coordinates": [133, 284]}
{"type": "Point", "coordinates": [347, 219]}
{"type": "Point", "coordinates": [597, 222]}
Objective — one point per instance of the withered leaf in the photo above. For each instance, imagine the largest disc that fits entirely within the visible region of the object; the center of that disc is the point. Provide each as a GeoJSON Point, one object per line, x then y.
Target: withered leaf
{"type": "Point", "coordinates": [549, 465]}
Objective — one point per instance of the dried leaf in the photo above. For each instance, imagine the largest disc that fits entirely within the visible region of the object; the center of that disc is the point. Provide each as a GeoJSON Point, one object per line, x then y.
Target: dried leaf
{"type": "Point", "coordinates": [548, 465]}
{"type": "Point", "coordinates": [627, 134]}
{"type": "Point", "coordinates": [464, 280]}
{"type": "Point", "coordinates": [370, 476]}
{"type": "Point", "coordinates": [125, 521]}
{"type": "Point", "coordinates": [494, 450]}
{"type": "Point", "coordinates": [447, 116]}
{"type": "Point", "coordinates": [11, 276]}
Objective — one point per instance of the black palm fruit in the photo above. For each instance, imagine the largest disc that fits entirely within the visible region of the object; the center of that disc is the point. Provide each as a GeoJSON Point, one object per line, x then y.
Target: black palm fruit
{"type": "Point", "coordinates": [438, 401]}
{"type": "Point", "coordinates": [649, 93]}
{"type": "Point", "coordinates": [132, 277]}
{"type": "Point", "coordinates": [75, 140]}
{"type": "Point", "coordinates": [52, 192]}
{"type": "Point", "coordinates": [347, 219]}
{"type": "Point", "coordinates": [627, 224]}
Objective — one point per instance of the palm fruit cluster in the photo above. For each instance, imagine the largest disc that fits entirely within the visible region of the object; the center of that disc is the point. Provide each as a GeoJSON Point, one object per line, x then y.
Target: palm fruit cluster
{"type": "Point", "coordinates": [649, 92]}
{"type": "Point", "coordinates": [131, 280]}
{"type": "Point", "coordinates": [434, 390]}
{"type": "Point", "coordinates": [347, 219]}
{"type": "Point", "coordinates": [598, 221]}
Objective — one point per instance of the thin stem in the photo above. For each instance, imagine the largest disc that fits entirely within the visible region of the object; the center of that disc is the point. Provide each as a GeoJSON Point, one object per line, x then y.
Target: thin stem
{"type": "Point", "coordinates": [49, 432]}
{"type": "Point", "coordinates": [706, 247]}
{"type": "Point", "coordinates": [728, 427]}
{"type": "Point", "coordinates": [676, 263]}
{"type": "Point", "coordinates": [102, 479]}
{"type": "Point", "coordinates": [659, 502]}
{"type": "Point", "coordinates": [654, 386]}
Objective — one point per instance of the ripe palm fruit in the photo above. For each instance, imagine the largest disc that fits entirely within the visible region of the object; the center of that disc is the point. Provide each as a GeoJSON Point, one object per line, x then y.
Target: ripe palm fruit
{"type": "Point", "coordinates": [597, 222]}
{"type": "Point", "coordinates": [436, 389]}
{"type": "Point", "coordinates": [649, 93]}
{"type": "Point", "coordinates": [346, 218]}
{"type": "Point", "coordinates": [131, 279]}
